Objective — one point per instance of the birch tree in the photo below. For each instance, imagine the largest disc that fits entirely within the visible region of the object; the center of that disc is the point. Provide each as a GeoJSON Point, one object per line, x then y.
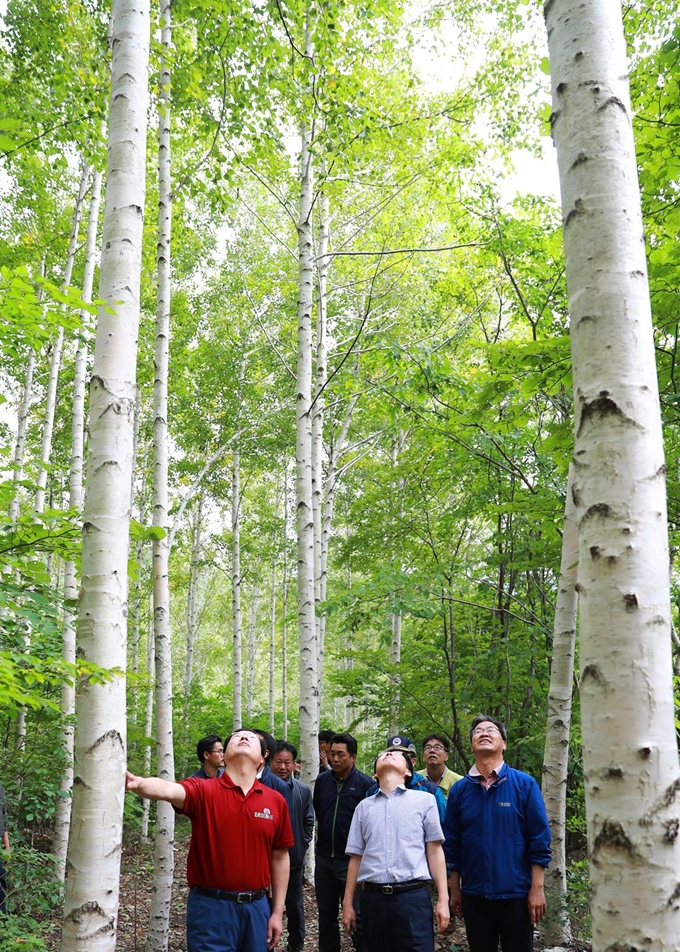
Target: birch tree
{"type": "Point", "coordinates": [630, 756]}
{"type": "Point", "coordinates": [164, 862]}
{"type": "Point", "coordinates": [309, 717]}
{"type": "Point", "coordinates": [91, 901]}
{"type": "Point", "coordinates": [236, 613]}
{"type": "Point", "coordinates": [556, 757]}
{"type": "Point", "coordinates": [62, 820]}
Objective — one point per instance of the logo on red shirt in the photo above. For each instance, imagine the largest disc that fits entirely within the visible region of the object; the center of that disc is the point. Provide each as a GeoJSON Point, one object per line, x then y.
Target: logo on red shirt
{"type": "Point", "coordinates": [265, 815]}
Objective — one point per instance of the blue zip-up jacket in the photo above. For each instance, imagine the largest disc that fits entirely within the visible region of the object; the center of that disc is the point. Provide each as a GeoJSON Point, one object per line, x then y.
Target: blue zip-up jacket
{"type": "Point", "coordinates": [334, 804]}
{"type": "Point", "coordinates": [420, 782]}
{"type": "Point", "coordinates": [493, 837]}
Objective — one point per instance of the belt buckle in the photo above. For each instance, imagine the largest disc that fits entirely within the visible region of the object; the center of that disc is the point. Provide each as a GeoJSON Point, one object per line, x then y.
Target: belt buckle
{"type": "Point", "coordinates": [244, 897]}
{"type": "Point", "coordinates": [387, 890]}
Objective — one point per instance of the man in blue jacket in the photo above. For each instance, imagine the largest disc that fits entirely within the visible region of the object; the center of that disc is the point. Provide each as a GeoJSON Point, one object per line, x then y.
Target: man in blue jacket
{"type": "Point", "coordinates": [497, 843]}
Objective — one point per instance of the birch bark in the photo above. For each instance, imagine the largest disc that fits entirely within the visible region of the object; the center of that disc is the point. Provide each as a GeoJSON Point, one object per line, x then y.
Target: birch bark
{"type": "Point", "coordinates": [148, 726]}
{"type": "Point", "coordinates": [284, 608]}
{"type": "Point", "coordinates": [62, 820]}
{"type": "Point", "coordinates": [252, 651]}
{"type": "Point", "coordinates": [164, 862]}
{"type": "Point", "coordinates": [309, 714]}
{"type": "Point", "coordinates": [237, 622]}
{"type": "Point", "coordinates": [272, 645]}
{"type": "Point", "coordinates": [192, 602]}
{"type": "Point", "coordinates": [557, 930]}
{"type": "Point", "coordinates": [91, 901]}
{"type": "Point", "coordinates": [630, 755]}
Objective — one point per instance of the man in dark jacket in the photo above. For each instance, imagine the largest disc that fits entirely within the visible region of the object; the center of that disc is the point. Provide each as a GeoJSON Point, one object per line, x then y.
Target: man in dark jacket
{"type": "Point", "coordinates": [336, 794]}
{"type": "Point", "coordinates": [302, 820]}
{"type": "Point", "coordinates": [267, 776]}
{"type": "Point", "coordinates": [210, 753]}
{"type": "Point", "coordinates": [497, 842]}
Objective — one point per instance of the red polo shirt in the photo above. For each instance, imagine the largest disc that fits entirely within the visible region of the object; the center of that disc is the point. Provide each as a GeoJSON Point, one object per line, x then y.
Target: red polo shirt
{"type": "Point", "coordinates": [232, 835]}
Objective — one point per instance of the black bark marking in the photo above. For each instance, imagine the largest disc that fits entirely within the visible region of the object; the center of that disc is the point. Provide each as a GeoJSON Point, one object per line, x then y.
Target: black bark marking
{"type": "Point", "coordinates": [666, 800]}
{"type": "Point", "coordinates": [637, 274]}
{"type": "Point", "coordinates": [599, 509]}
{"type": "Point", "coordinates": [575, 212]}
{"type": "Point", "coordinates": [675, 895]}
{"type": "Point", "coordinates": [113, 735]}
{"type": "Point", "coordinates": [671, 832]}
{"type": "Point", "coordinates": [547, 8]}
{"type": "Point", "coordinates": [631, 602]}
{"type": "Point", "coordinates": [592, 671]}
{"type": "Point", "coordinates": [602, 406]}
{"type": "Point", "coordinates": [554, 116]}
{"type": "Point", "coordinates": [613, 834]}
{"type": "Point", "coordinates": [595, 552]}
{"type": "Point", "coordinates": [579, 160]}
{"type": "Point", "coordinates": [612, 101]}
{"type": "Point", "coordinates": [645, 752]}
{"type": "Point", "coordinates": [579, 589]}
{"type": "Point", "coordinates": [579, 55]}
{"type": "Point", "coordinates": [614, 773]}
{"type": "Point", "coordinates": [561, 88]}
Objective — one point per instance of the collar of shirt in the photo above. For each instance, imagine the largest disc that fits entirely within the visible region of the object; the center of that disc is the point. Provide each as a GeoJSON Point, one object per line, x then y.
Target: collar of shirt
{"type": "Point", "coordinates": [492, 777]}
{"type": "Point", "coordinates": [400, 788]}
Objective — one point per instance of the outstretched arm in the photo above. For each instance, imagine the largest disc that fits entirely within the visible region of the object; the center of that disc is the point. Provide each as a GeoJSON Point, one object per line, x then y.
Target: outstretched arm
{"type": "Point", "coordinates": [153, 788]}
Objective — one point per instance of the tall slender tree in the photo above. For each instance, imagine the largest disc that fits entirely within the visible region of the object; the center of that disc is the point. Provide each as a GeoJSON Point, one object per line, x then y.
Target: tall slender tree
{"type": "Point", "coordinates": [630, 756]}
{"type": "Point", "coordinates": [91, 901]}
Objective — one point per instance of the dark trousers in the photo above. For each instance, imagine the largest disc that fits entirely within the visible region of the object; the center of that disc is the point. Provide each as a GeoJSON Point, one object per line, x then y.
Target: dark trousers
{"type": "Point", "coordinates": [401, 922]}
{"type": "Point", "coordinates": [3, 889]}
{"type": "Point", "coordinates": [218, 925]}
{"type": "Point", "coordinates": [295, 910]}
{"type": "Point", "coordinates": [490, 921]}
{"type": "Point", "coordinates": [330, 877]}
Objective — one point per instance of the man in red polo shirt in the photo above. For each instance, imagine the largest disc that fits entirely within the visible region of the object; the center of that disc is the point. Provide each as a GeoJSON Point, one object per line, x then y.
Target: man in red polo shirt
{"type": "Point", "coordinates": [240, 835]}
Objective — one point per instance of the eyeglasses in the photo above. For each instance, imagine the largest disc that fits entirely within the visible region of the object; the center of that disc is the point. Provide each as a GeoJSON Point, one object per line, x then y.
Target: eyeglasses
{"type": "Point", "coordinates": [485, 730]}
{"type": "Point", "coordinates": [435, 747]}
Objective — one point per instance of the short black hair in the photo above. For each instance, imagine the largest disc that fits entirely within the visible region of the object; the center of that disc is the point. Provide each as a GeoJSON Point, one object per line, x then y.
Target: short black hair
{"type": "Point", "coordinates": [269, 741]}
{"type": "Point", "coordinates": [325, 736]}
{"type": "Point", "coordinates": [284, 745]}
{"type": "Point", "coordinates": [251, 730]}
{"type": "Point", "coordinates": [205, 746]}
{"type": "Point", "coordinates": [491, 720]}
{"type": "Point", "coordinates": [347, 739]}
{"type": "Point", "coordinates": [406, 756]}
{"type": "Point", "coordinates": [440, 738]}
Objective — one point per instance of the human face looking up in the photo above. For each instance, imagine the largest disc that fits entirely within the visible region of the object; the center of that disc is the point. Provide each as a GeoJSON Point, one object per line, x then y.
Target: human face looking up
{"type": "Point", "coordinates": [341, 760]}
{"type": "Point", "coordinates": [435, 756]}
{"type": "Point", "coordinates": [244, 744]}
{"type": "Point", "coordinates": [487, 741]}
{"type": "Point", "coordinates": [283, 765]}
{"type": "Point", "coordinates": [393, 761]}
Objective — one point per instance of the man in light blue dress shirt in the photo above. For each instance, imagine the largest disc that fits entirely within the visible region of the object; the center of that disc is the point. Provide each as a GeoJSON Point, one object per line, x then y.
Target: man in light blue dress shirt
{"type": "Point", "coordinates": [395, 850]}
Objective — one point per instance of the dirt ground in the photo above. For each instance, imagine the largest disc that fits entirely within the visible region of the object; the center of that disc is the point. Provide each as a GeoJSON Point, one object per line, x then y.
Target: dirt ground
{"type": "Point", "coordinates": [135, 897]}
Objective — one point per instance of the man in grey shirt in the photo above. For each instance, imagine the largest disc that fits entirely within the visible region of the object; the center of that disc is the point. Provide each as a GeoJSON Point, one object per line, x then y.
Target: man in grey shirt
{"type": "Point", "coordinates": [5, 844]}
{"type": "Point", "coordinates": [395, 849]}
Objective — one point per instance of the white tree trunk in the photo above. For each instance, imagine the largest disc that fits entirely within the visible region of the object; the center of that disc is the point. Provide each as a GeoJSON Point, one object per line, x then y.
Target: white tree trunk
{"type": "Point", "coordinates": [57, 347]}
{"type": "Point", "coordinates": [164, 862]}
{"type": "Point", "coordinates": [556, 930]}
{"type": "Point", "coordinates": [62, 820]}
{"type": "Point", "coordinates": [91, 901]}
{"type": "Point", "coordinates": [309, 713]}
{"type": "Point", "coordinates": [630, 757]}
{"type": "Point", "coordinates": [20, 445]}
{"type": "Point", "coordinates": [237, 622]}
{"type": "Point", "coordinates": [395, 646]}
{"type": "Point", "coordinates": [192, 602]}
{"type": "Point", "coordinates": [272, 646]}
{"type": "Point", "coordinates": [148, 725]}
{"type": "Point", "coordinates": [252, 651]}
{"type": "Point", "coordinates": [284, 608]}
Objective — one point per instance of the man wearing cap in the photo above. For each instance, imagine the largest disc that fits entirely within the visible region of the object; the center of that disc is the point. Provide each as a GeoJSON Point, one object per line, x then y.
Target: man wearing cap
{"type": "Point", "coordinates": [395, 849]}
{"type": "Point", "coordinates": [240, 836]}
{"type": "Point", "coordinates": [435, 755]}
{"type": "Point", "coordinates": [336, 794]}
{"type": "Point", "coordinates": [498, 846]}
{"type": "Point", "coordinates": [417, 781]}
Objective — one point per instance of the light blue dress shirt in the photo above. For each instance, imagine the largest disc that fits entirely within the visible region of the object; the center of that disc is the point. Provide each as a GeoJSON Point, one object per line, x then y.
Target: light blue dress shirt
{"type": "Point", "coordinates": [390, 833]}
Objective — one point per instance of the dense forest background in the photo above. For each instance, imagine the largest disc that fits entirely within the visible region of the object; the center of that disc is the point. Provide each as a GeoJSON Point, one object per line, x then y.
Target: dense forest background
{"type": "Point", "coordinates": [442, 401]}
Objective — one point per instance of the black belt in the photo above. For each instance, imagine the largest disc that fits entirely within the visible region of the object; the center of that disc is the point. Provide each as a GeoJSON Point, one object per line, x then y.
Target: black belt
{"type": "Point", "coordinates": [251, 896]}
{"type": "Point", "coordinates": [388, 889]}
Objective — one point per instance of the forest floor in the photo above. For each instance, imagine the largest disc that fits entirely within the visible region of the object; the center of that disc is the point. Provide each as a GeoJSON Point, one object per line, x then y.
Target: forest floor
{"type": "Point", "coordinates": [135, 898]}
